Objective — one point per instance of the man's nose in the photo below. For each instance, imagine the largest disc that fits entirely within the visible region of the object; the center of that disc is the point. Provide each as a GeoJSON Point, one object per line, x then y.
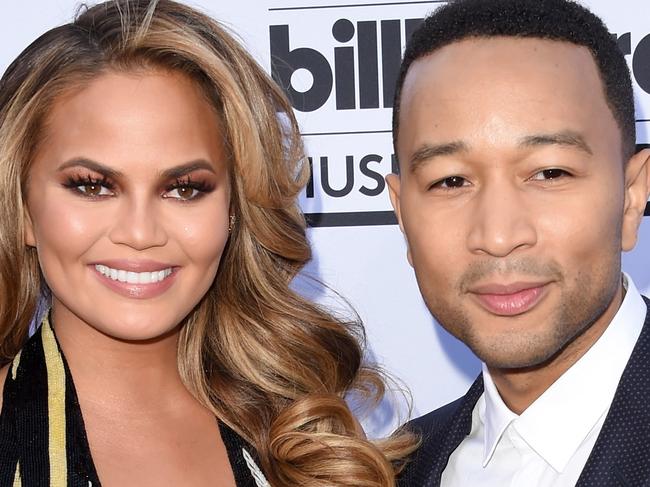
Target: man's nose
{"type": "Point", "coordinates": [501, 222]}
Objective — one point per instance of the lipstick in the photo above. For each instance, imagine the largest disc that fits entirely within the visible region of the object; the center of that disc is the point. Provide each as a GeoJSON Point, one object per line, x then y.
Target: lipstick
{"type": "Point", "coordinates": [143, 279]}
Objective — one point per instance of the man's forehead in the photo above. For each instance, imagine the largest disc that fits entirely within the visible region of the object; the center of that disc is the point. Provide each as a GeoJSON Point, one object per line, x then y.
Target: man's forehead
{"type": "Point", "coordinates": [497, 52]}
{"type": "Point", "coordinates": [503, 88]}
{"type": "Point", "coordinates": [476, 67]}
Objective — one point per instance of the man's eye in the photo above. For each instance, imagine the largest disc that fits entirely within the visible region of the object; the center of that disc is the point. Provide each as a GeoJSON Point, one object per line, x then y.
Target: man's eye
{"type": "Point", "coordinates": [449, 183]}
{"type": "Point", "coordinates": [549, 174]}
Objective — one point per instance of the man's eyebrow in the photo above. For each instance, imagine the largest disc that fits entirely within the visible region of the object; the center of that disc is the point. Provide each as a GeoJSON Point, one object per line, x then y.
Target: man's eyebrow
{"type": "Point", "coordinates": [184, 169]}
{"type": "Point", "coordinates": [92, 165]}
{"type": "Point", "coordinates": [567, 138]}
{"type": "Point", "coordinates": [427, 152]}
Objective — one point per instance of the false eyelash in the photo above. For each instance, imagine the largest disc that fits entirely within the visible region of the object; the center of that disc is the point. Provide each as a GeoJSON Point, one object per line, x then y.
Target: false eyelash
{"type": "Point", "coordinates": [77, 180]}
{"type": "Point", "coordinates": [201, 186]}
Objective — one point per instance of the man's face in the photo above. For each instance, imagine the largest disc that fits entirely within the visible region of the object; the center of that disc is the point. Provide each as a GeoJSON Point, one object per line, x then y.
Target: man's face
{"type": "Point", "coordinates": [512, 194]}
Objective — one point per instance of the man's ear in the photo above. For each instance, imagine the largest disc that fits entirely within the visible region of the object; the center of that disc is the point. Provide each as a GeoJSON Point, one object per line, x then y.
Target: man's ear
{"type": "Point", "coordinates": [637, 192]}
{"type": "Point", "coordinates": [28, 228]}
{"type": "Point", "coordinates": [393, 182]}
{"type": "Point", "coordinates": [394, 186]}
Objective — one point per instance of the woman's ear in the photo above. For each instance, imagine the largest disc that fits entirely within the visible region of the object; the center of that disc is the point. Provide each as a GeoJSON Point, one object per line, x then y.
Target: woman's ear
{"type": "Point", "coordinates": [28, 228]}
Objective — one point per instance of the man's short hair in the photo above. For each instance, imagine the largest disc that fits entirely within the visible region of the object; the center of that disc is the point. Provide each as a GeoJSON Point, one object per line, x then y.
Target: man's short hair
{"type": "Point", "coordinates": [559, 20]}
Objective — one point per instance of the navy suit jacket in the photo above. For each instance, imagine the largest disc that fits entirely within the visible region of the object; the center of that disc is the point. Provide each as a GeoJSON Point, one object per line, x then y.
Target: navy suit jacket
{"type": "Point", "coordinates": [620, 457]}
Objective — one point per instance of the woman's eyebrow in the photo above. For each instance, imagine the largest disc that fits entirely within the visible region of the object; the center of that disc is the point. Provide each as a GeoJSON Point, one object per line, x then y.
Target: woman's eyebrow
{"type": "Point", "coordinates": [184, 169]}
{"type": "Point", "coordinates": [92, 165]}
{"type": "Point", "coordinates": [171, 173]}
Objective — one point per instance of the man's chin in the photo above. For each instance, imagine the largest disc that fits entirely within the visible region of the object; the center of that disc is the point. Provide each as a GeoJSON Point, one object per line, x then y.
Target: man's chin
{"type": "Point", "coordinates": [522, 356]}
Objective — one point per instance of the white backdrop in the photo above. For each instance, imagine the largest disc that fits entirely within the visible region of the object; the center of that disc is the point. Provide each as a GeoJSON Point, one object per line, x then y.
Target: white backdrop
{"type": "Point", "coordinates": [355, 46]}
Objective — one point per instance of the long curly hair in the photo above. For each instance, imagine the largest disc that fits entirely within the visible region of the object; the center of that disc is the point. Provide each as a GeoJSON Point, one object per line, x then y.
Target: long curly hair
{"type": "Point", "coordinates": [269, 363]}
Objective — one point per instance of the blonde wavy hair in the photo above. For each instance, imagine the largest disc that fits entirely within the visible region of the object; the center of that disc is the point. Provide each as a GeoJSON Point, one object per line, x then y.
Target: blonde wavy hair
{"type": "Point", "coordinates": [272, 365]}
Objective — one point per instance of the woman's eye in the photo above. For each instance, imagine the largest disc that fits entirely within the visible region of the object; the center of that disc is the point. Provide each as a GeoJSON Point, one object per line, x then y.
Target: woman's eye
{"type": "Point", "coordinates": [450, 183]}
{"type": "Point", "coordinates": [185, 189]}
{"type": "Point", "coordinates": [90, 187]}
{"type": "Point", "coordinates": [94, 189]}
{"type": "Point", "coordinates": [549, 174]}
{"type": "Point", "coordinates": [183, 193]}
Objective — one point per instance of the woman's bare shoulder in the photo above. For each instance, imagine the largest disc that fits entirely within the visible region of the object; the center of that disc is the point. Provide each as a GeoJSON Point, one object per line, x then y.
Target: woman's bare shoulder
{"type": "Point", "coordinates": [3, 376]}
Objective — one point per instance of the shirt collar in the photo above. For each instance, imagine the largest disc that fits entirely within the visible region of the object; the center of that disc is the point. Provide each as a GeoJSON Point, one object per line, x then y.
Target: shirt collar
{"type": "Point", "coordinates": [494, 415]}
{"type": "Point", "coordinates": [561, 418]}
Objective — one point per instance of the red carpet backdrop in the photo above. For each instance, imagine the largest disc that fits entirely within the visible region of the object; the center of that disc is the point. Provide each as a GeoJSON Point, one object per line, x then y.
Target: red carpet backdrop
{"type": "Point", "coordinates": [338, 60]}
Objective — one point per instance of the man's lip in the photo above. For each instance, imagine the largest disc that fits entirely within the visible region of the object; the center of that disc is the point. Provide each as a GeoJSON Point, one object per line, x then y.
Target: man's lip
{"type": "Point", "coordinates": [510, 299]}
{"type": "Point", "coordinates": [133, 265]}
{"type": "Point", "coordinates": [505, 289]}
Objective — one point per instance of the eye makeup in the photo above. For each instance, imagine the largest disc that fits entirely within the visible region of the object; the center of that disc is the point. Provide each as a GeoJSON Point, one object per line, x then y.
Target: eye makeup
{"type": "Point", "coordinates": [183, 188]}
{"type": "Point", "coordinates": [88, 185]}
{"type": "Point", "coordinates": [188, 189]}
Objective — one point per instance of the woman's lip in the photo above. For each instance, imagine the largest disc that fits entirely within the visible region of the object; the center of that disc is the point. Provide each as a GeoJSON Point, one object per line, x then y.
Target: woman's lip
{"type": "Point", "coordinates": [134, 265]}
{"type": "Point", "coordinates": [137, 291]}
{"type": "Point", "coordinates": [516, 302]}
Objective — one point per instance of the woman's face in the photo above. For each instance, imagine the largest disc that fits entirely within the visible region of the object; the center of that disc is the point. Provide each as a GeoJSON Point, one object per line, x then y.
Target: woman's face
{"type": "Point", "coordinates": [128, 203]}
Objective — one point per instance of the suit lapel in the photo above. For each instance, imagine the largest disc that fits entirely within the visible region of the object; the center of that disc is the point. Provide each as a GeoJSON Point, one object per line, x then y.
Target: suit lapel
{"type": "Point", "coordinates": [441, 435]}
{"type": "Point", "coordinates": [621, 456]}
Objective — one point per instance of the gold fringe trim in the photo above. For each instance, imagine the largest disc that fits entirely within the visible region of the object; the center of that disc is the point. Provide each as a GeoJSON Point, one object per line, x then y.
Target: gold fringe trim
{"type": "Point", "coordinates": [56, 407]}
{"type": "Point", "coordinates": [14, 365]}
{"type": "Point", "coordinates": [17, 481]}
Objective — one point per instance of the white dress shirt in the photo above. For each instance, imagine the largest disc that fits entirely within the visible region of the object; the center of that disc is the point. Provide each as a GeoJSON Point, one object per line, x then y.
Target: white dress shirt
{"type": "Point", "coordinates": [550, 442]}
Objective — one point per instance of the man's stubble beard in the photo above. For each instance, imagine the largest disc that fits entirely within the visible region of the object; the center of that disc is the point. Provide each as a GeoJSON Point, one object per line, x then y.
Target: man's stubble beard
{"type": "Point", "coordinates": [580, 304]}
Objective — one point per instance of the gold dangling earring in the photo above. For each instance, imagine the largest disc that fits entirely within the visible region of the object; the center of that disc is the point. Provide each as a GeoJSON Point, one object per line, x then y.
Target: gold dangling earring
{"type": "Point", "coordinates": [231, 224]}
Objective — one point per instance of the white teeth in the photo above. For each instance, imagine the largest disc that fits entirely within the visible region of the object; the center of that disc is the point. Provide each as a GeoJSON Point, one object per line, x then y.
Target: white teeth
{"type": "Point", "coordinates": [133, 277]}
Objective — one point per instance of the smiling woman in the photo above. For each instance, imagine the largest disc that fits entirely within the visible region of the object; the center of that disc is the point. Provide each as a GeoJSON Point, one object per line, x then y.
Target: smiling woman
{"type": "Point", "coordinates": [149, 172]}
